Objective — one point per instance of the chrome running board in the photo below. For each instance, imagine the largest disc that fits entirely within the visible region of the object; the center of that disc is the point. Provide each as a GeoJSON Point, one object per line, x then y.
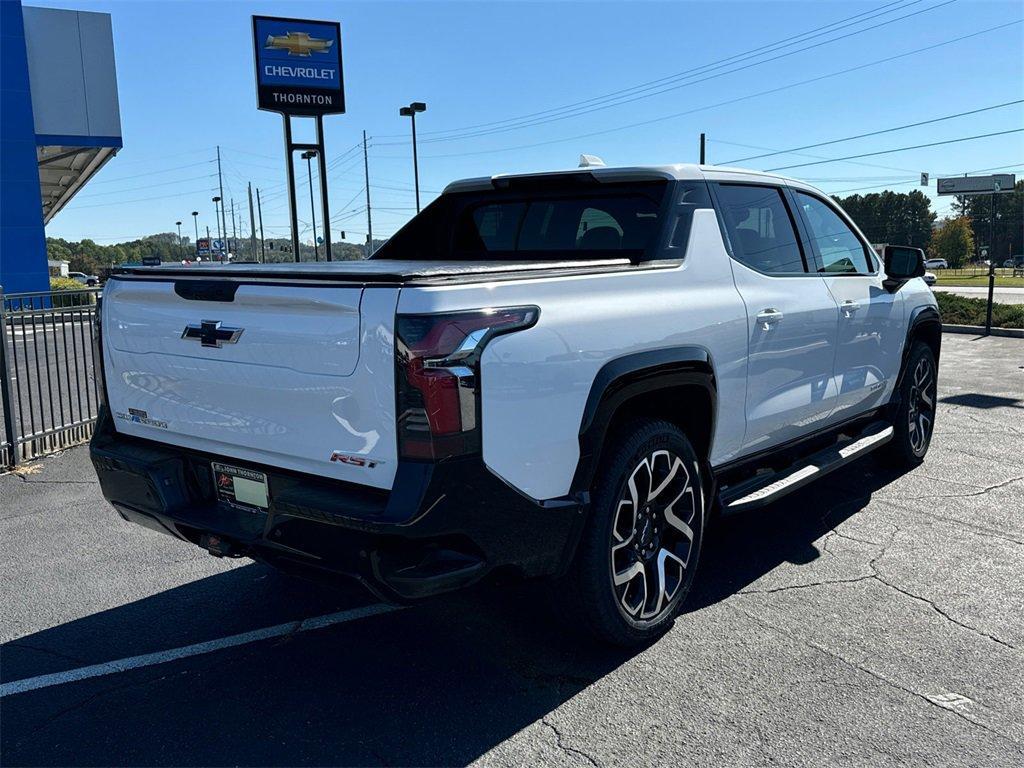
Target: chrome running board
{"type": "Point", "coordinates": [767, 487]}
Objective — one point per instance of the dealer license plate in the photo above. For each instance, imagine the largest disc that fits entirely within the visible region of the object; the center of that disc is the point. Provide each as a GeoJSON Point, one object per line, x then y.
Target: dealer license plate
{"type": "Point", "coordinates": [240, 487]}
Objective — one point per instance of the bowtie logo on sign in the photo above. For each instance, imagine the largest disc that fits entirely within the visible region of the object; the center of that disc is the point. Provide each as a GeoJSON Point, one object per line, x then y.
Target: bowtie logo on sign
{"type": "Point", "coordinates": [299, 44]}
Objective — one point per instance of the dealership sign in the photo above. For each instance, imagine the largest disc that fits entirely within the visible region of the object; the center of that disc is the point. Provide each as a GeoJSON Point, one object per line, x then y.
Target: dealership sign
{"type": "Point", "coordinates": [977, 185]}
{"type": "Point", "coordinates": [298, 66]}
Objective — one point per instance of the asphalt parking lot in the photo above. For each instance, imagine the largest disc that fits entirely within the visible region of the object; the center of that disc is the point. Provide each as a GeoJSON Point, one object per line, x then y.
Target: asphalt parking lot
{"type": "Point", "coordinates": [873, 619]}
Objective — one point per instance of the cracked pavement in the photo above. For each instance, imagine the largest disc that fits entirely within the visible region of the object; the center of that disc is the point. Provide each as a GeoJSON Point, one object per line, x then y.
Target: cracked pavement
{"type": "Point", "coordinates": [875, 618]}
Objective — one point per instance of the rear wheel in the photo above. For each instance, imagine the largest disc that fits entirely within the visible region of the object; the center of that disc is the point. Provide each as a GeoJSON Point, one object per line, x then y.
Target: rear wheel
{"type": "Point", "coordinates": [915, 417]}
{"type": "Point", "coordinates": [639, 551]}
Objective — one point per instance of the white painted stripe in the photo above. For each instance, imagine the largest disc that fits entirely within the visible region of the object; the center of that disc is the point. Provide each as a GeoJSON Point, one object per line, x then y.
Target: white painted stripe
{"type": "Point", "coordinates": [161, 657]}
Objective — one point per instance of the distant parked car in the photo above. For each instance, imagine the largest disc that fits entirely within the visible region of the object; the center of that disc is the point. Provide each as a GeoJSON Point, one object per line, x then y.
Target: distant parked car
{"type": "Point", "coordinates": [929, 278]}
{"type": "Point", "coordinates": [1014, 261]}
{"type": "Point", "coordinates": [84, 279]}
{"type": "Point", "coordinates": [936, 264]}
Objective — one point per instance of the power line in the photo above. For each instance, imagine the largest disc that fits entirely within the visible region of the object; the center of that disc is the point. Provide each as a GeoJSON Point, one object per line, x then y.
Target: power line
{"type": "Point", "coordinates": [150, 173]}
{"type": "Point", "coordinates": [685, 74]}
{"type": "Point", "coordinates": [727, 102]}
{"type": "Point", "coordinates": [144, 199]}
{"type": "Point", "coordinates": [145, 186]}
{"type": "Point", "coordinates": [875, 133]}
{"type": "Point", "coordinates": [820, 157]}
{"type": "Point", "coordinates": [915, 181]}
{"type": "Point", "coordinates": [899, 149]}
{"type": "Point", "coordinates": [702, 79]}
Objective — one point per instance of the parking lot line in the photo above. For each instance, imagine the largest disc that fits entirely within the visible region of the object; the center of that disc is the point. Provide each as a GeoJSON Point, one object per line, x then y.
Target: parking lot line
{"type": "Point", "coordinates": [197, 649]}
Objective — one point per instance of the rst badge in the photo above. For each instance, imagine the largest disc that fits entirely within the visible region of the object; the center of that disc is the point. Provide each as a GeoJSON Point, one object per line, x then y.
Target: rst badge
{"type": "Point", "coordinates": [354, 461]}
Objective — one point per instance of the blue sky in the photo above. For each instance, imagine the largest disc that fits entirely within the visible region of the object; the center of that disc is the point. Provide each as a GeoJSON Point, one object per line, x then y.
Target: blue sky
{"type": "Point", "coordinates": [185, 76]}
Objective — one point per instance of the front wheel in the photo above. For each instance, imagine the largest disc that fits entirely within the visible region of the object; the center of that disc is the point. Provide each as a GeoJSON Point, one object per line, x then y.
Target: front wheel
{"type": "Point", "coordinates": [914, 421]}
{"type": "Point", "coordinates": [638, 553]}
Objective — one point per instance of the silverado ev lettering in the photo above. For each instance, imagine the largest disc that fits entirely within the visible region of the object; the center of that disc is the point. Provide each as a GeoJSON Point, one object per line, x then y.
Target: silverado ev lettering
{"type": "Point", "coordinates": [562, 374]}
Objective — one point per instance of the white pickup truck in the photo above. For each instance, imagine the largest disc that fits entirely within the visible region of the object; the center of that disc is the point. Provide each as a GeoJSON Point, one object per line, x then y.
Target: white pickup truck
{"type": "Point", "coordinates": [559, 374]}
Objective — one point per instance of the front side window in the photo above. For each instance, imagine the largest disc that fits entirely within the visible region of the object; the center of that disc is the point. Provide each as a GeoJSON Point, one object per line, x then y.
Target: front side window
{"type": "Point", "coordinates": [841, 251]}
{"type": "Point", "coordinates": [760, 229]}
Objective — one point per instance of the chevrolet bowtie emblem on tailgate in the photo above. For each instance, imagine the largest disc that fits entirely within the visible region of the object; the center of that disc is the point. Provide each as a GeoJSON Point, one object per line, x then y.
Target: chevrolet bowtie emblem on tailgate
{"type": "Point", "coordinates": [211, 334]}
{"type": "Point", "coordinates": [298, 44]}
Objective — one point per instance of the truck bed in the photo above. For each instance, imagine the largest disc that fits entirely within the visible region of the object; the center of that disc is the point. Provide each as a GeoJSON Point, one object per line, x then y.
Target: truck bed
{"type": "Point", "coordinates": [388, 271]}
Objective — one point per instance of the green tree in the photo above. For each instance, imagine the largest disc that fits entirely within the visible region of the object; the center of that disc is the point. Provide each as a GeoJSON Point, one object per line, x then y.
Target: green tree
{"type": "Point", "coordinates": [898, 218]}
{"type": "Point", "coordinates": [1009, 221]}
{"type": "Point", "coordinates": [953, 241]}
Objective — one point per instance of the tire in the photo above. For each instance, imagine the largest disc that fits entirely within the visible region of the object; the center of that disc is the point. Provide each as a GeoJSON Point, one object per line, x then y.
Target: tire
{"type": "Point", "coordinates": [631, 572]}
{"type": "Point", "coordinates": [914, 419]}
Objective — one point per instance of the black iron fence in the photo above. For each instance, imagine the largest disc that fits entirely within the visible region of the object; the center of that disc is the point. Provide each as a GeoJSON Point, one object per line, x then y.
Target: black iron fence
{"type": "Point", "coordinates": [49, 392]}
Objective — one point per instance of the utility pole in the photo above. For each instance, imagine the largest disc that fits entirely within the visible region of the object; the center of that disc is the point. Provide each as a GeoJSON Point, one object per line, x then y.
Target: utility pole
{"type": "Point", "coordinates": [252, 227]}
{"type": "Point", "coordinates": [702, 155]}
{"type": "Point", "coordinates": [369, 218]}
{"type": "Point", "coordinates": [234, 224]}
{"type": "Point", "coordinates": [220, 182]}
{"type": "Point", "coordinates": [263, 242]}
{"type": "Point", "coordinates": [195, 220]}
{"type": "Point", "coordinates": [181, 248]}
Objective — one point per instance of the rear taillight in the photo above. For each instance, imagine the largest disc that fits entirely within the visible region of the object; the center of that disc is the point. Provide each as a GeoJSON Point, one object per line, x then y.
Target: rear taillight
{"type": "Point", "coordinates": [438, 374]}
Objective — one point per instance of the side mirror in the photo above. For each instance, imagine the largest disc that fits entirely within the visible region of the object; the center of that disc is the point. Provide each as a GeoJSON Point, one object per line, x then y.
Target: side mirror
{"type": "Point", "coordinates": [902, 263]}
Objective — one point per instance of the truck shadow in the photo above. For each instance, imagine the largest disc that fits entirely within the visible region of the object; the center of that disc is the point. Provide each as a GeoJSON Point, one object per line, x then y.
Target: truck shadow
{"type": "Point", "coordinates": [437, 684]}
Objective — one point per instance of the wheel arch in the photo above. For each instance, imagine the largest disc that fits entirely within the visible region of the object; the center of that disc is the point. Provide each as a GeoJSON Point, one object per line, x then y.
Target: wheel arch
{"type": "Point", "coordinates": [925, 324]}
{"type": "Point", "coordinates": [676, 384]}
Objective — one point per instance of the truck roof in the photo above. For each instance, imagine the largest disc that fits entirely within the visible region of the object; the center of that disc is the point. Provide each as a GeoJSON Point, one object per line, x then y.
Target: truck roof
{"type": "Point", "coordinates": [677, 171]}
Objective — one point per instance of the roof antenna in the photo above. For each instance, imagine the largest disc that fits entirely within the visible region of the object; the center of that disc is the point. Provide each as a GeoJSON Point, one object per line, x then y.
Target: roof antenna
{"type": "Point", "coordinates": [591, 161]}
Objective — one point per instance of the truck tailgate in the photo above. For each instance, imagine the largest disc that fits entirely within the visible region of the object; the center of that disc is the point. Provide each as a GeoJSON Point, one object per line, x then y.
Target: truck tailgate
{"type": "Point", "coordinates": [294, 376]}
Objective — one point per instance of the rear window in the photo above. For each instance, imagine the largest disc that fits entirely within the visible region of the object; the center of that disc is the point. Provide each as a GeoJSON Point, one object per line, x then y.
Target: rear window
{"type": "Point", "coordinates": [591, 221]}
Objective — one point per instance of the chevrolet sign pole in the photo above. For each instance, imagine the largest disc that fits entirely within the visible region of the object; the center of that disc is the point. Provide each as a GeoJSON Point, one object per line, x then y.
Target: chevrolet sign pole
{"type": "Point", "coordinates": [1000, 183]}
{"type": "Point", "coordinates": [298, 73]}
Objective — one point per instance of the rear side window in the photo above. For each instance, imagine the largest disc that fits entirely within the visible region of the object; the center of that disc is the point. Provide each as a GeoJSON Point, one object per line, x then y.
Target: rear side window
{"type": "Point", "coordinates": [841, 251]}
{"type": "Point", "coordinates": [592, 222]}
{"type": "Point", "coordinates": [760, 228]}
{"type": "Point", "coordinates": [569, 227]}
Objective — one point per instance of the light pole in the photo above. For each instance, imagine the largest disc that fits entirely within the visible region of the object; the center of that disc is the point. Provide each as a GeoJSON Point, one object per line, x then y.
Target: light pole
{"type": "Point", "coordinates": [410, 111]}
{"type": "Point", "coordinates": [308, 157]}
{"type": "Point", "coordinates": [195, 220]}
{"type": "Point", "coordinates": [216, 215]}
{"type": "Point", "coordinates": [181, 248]}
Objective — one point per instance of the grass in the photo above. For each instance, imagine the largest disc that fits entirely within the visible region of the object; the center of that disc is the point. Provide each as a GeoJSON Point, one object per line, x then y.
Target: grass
{"type": "Point", "coordinates": [976, 277]}
{"type": "Point", "coordinates": [961, 310]}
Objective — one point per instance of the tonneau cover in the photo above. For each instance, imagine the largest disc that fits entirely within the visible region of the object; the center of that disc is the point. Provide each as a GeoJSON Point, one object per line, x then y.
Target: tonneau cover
{"type": "Point", "coordinates": [385, 271]}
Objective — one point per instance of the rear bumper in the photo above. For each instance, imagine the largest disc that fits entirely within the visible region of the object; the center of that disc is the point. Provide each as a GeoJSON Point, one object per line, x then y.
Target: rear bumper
{"type": "Point", "coordinates": [442, 527]}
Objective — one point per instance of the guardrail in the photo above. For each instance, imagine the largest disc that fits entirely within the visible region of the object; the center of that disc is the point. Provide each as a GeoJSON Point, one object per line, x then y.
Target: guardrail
{"type": "Point", "coordinates": [48, 388]}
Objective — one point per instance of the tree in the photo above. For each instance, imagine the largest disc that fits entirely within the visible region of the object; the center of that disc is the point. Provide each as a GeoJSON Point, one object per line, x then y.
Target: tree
{"type": "Point", "coordinates": [1009, 224]}
{"type": "Point", "coordinates": [899, 218]}
{"type": "Point", "coordinates": [953, 241]}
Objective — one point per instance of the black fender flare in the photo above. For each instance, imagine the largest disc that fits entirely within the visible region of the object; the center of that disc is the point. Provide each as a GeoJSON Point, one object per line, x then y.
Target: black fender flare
{"type": "Point", "coordinates": [625, 377]}
{"type": "Point", "coordinates": [921, 318]}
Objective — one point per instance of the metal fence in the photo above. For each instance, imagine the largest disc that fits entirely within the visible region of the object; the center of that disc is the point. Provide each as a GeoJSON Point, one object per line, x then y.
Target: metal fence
{"type": "Point", "coordinates": [48, 388]}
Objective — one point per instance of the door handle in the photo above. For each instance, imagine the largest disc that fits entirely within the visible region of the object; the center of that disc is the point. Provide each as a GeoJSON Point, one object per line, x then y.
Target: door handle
{"type": "Point", "coordinates": [849, 307]}
{"type": "Point", "coordinates": [768, 317]}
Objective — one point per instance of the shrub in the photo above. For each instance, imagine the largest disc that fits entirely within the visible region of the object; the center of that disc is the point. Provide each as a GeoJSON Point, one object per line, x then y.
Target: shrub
{"type": "Point", "coordinates": [70, 293]}
{"type": "Point", "coordinates": [962, 310]}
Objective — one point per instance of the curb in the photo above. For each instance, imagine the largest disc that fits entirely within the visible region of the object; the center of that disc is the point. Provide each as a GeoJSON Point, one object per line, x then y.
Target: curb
{"type": "Point", "coordinates": [979, 330]}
